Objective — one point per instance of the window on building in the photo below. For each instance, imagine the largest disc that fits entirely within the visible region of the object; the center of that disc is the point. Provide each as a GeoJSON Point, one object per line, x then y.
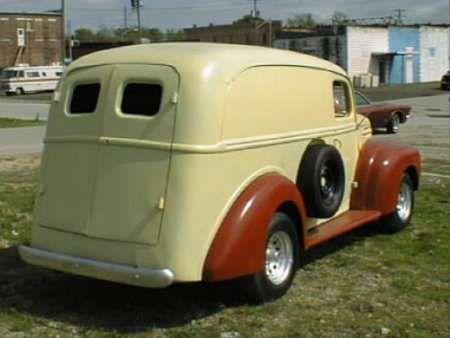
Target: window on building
{"type": "Point", "coordinates": [342, 101]}
{"type": "Point", "coordinates": [85, 98]}
{"type": "Point", "coordinates": [432, 52]}
{"type": "Point", "coordinates": [142, 99]}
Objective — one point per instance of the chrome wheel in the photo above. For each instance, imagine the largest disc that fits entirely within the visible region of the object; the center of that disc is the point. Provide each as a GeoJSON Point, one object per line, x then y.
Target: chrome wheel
{"type": "Point", "coordinates": [279, 258]}
{"type": "Point", "coordinates": [404, 202]}
{"type": "Point", "coordinates": [395, 124]}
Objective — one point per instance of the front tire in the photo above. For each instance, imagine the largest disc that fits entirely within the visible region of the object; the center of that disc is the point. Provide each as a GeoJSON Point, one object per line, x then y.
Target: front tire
{"type": "Point", "coordinates": [19, 91]}
{"type": "Point", "coordinates": [282, 249]}
{"type": "Point", "coordinates": [401, 217]}
{"type": "Point", "coordinates": [394, 124]}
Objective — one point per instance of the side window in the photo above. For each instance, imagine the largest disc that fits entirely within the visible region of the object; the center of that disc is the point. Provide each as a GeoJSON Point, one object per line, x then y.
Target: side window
{"type": "Point", "coordinates": [59, 74]}
{"type": "Point", "coordinates": [33, 74]}
{"type": "Point", "coordinates": [44, 74]}
{"type": "Point", "coordinates": [85, 98]}
{"type": "Point", "coordinates": [20, 74]}
{"type": "Point", "coordinates": [342, 102]}
{"type": "Point", "coordinates": [141, 99]}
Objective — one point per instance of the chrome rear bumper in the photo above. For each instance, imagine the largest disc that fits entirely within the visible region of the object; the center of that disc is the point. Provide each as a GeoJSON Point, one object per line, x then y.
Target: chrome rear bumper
{"type": "Point", "coordinates": [153, 278]}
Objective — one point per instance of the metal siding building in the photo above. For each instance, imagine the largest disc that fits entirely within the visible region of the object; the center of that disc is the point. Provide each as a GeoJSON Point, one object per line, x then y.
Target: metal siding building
{"type": "Point", "coordinates": [404, 43]}
{"type": "Point", "coordinates": [365, 49]}
{"type": "Point", "coordinates": [434, 52]}
{"type": "Point", "coordinates": [392, 54]}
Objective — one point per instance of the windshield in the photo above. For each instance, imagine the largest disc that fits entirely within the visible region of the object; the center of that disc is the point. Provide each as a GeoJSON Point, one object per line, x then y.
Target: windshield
{"type": "Point", "coordinates": [8, 74]}
{"type": "Point", "coordinates": [361, 100]}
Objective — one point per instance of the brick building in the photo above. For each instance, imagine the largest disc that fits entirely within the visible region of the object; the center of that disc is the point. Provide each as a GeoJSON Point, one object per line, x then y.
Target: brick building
{"type": "Point", "coordinates": [248, 33]}
{"type": "Point", "coordinates": [30, 38]}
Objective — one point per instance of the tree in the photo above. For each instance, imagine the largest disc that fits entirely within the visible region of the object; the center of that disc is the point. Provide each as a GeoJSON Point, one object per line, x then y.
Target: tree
{"type": "Point", "coordinates": [174, 35]}
{"type": "Point", "coordinates": [106, 34]}
{"type": "Point", "coordinates": [339, 18]}
{"type": "Point", "coordinates": [302, 20]}
{"type": "Point", "coordinates": [85, 35]}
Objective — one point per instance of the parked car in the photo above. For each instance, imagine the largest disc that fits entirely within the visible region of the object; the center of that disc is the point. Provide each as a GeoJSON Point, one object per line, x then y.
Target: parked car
{"type": "Point", "coordinates": [183, 162]}
{"type": "Point", "coordinates": [445, 81]}
{"type": "Point", "coordinates": [383, 115]}
{"type": "Point", "coordinates": [21, 80]}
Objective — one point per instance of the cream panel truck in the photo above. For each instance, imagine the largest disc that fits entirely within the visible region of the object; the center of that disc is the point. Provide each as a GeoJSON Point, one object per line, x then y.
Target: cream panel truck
{"type": "Point", "coordinates": [185, 162]}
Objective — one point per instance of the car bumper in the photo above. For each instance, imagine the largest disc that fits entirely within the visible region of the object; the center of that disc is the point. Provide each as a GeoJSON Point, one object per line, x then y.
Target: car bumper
{"type": "Point", "coordinates": [153, 278]}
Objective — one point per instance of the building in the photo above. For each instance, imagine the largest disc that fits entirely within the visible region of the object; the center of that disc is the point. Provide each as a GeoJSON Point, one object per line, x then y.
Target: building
{"type": "Point", "coordinates": [386, 54]}
{"type": "Point", "coordinates": [248, 32]}
{"type": "Point", "coordinates": [83, 48]}
{"type": "Point", "coordinates": [30, 38]}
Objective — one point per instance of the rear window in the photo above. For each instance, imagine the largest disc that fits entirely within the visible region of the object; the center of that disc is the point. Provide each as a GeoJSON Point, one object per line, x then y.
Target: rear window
{"type": "Point", "coordinates": [85, 98]}
{"type": "Point", "coordinates": [141, 99]}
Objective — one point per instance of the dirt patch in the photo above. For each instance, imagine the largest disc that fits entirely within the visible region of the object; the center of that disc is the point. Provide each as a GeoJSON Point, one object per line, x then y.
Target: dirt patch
{"type": "Point", "coordinates": [19, 162]}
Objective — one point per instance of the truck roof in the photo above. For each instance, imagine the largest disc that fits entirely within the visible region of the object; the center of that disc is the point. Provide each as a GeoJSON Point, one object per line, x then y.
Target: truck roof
{"type": "Point", "coordinates": [187, 56]}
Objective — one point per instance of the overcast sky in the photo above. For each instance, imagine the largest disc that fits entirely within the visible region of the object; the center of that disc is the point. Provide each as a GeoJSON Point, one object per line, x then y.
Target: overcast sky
{"type": "Point", "coordinates": [184, 13]}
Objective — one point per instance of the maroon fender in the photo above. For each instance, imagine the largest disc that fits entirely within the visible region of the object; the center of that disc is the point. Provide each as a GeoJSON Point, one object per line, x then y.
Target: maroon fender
{"type": "Point", "coordinates": [381, 166]}
{"type": "Point", "coordinates": [238, 248]}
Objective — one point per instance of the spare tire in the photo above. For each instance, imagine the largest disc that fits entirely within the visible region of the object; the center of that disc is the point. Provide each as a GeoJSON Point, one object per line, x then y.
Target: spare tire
{"type": "Point", "coordinates": [321, 180]}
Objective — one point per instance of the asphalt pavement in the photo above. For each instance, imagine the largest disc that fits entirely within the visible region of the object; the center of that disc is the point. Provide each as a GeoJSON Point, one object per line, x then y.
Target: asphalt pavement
{"type": "Point", "coordinates": [24, 110]}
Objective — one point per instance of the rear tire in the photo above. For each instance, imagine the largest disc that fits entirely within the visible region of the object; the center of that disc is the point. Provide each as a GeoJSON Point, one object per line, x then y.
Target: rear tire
{"type": "Point", "coordinates": [394, 124]}
{"type": "Point", "coordinates": [282, 249]}
{"type": "Point", "coordinates": [401, 217]}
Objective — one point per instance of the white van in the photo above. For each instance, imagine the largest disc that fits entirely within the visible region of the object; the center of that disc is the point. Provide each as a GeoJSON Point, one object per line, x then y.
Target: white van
{"type": "Point", "coordinates": [21, 80]}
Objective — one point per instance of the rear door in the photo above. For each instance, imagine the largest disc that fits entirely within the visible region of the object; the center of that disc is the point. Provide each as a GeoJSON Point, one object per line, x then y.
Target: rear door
{"type": "Point", "coordinates": [71, 150]}
{"type": "Point", "coordinates": [134, 154]}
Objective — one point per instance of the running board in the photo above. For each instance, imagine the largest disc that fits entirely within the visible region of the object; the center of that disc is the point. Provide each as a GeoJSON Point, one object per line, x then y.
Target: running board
{"type": "Point", "coordinates": [344, 223]}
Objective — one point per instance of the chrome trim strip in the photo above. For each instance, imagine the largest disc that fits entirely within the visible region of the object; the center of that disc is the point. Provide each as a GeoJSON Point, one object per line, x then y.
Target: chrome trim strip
{"type": "Point", "coordinates": [153, 278]}
{"type": "Point", "coordinates": [222, 147]}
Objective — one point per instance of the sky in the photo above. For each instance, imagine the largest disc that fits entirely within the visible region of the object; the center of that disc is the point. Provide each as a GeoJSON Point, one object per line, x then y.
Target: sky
{"type": "Point", "coordinates": [166, 14]}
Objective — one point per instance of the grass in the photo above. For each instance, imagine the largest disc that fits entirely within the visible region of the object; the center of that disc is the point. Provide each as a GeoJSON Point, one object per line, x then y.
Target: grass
{"type": "Point", "coordinates": [17, 123]}
{"type": "Point", "coordinates": [364, 284]}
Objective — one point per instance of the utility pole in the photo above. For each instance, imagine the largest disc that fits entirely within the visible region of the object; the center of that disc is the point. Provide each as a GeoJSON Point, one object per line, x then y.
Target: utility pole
{"type": "Point", "coordinates": [63, 31]}
{"type": "Point", "coordinates": [137, 4]}
{"type": "Point", "coordinates": [400, 15]}
{"type": "Point", "coordinates": [125, 17]}
{"type": "Point", "coordinates": [255, 12]}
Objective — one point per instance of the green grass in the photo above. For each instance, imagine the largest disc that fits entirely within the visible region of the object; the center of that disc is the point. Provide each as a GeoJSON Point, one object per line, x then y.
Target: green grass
{"type": "Point", "coordinates": [17, 123]}
{"type": "Point", "coordinates": [359, 285]}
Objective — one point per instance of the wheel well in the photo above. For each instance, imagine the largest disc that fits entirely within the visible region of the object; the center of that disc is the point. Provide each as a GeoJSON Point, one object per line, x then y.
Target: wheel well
{"type": "Point", "coordinates": [412, 172]}
{"type": "Point", "coordinates": [290, 209]}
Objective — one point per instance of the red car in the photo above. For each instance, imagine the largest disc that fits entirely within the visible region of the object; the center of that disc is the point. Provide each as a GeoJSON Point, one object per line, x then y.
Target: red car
{"type": "Point", "coordinates": [383, 115]}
